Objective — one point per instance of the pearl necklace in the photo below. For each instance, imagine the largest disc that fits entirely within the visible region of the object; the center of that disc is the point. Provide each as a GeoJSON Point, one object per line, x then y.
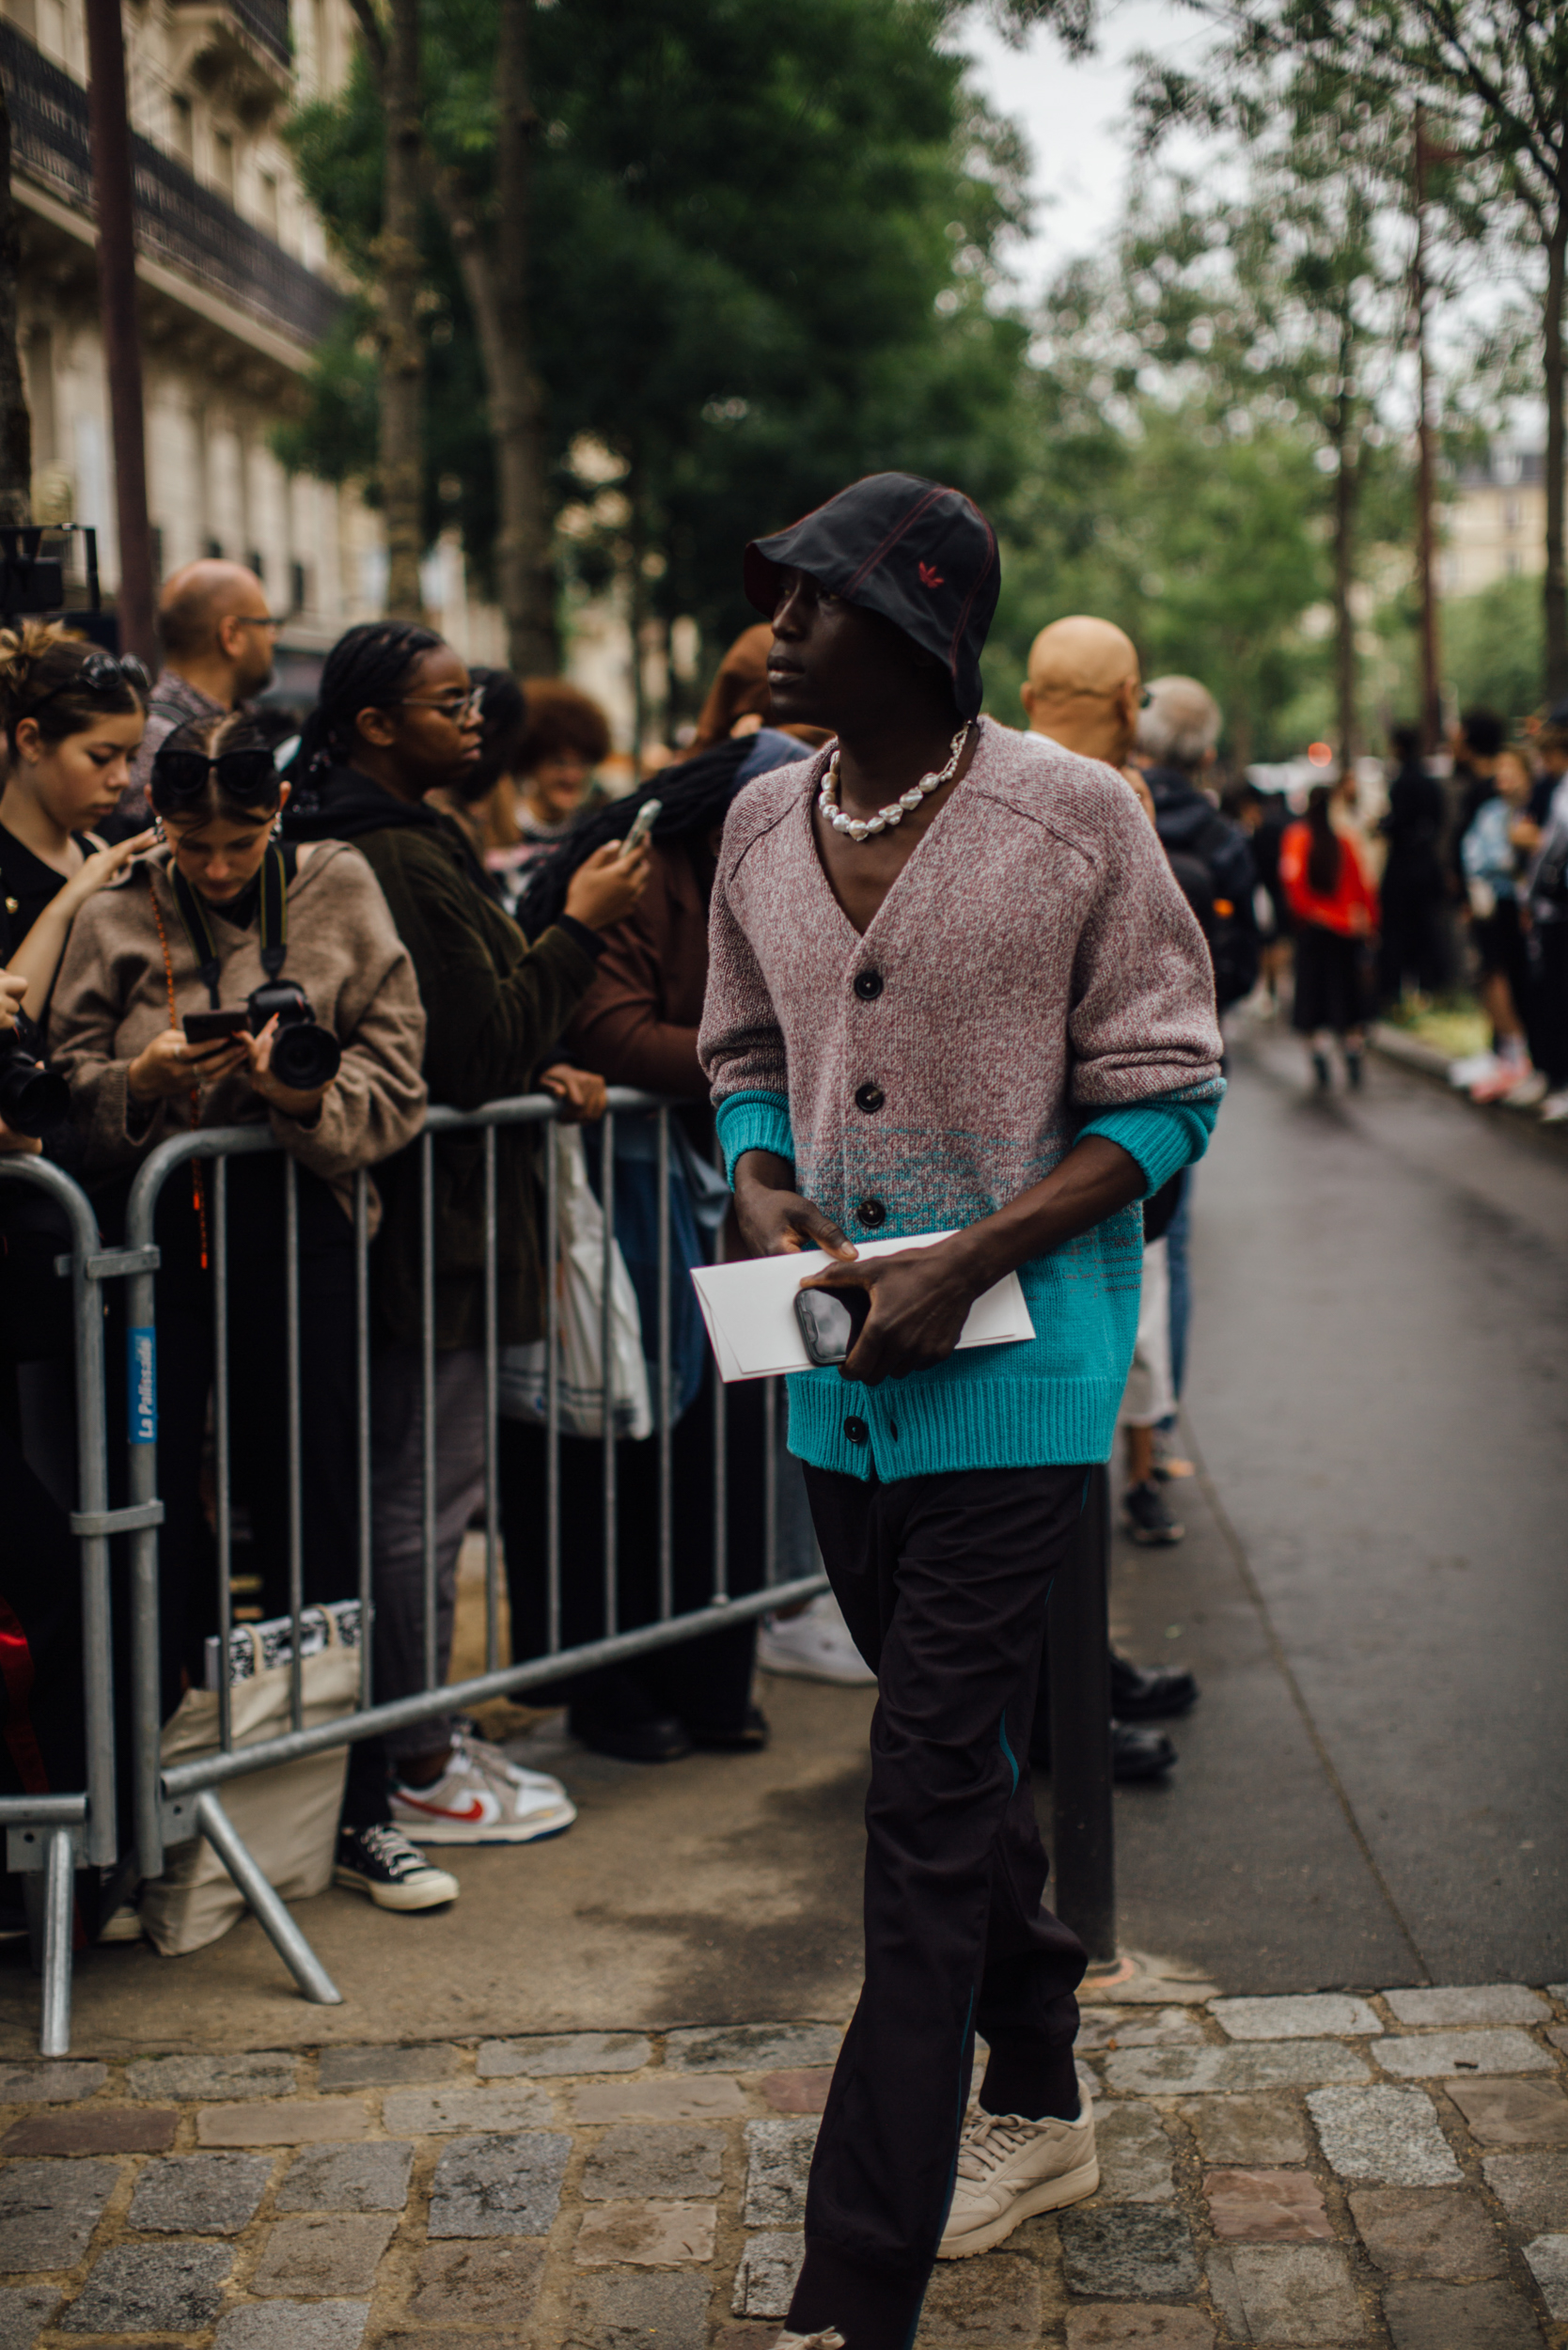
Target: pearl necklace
{"type": "Point", "coordinates": [860, 828]}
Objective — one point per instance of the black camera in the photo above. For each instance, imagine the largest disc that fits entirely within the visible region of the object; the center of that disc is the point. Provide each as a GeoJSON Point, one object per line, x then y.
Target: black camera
{"type": "Point", "coordinates": [32, 1098]}
{"type": "Point", "coordinates": [304, 1055]}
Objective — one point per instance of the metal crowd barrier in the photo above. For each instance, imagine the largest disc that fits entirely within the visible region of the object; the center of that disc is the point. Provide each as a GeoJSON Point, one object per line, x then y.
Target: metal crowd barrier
{"type": "Point", "coordinates": [175, 1803]}
{"type": "Point", "coordinates": [48, 1836]}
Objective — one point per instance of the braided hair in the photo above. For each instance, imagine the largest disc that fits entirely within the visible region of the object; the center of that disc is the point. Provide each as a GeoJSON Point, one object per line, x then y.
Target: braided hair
{"type": "Point", "coordinates": [364, 670]}
{"type": "Point", "coordinates": [694, 795]}
{"type": "Point", "coordinates": [56, 677]}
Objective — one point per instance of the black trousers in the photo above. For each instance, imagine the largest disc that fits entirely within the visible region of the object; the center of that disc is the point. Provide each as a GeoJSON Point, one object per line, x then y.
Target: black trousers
{"type": "Point", "coordinates": [943, 1581]}
{"type": "Point", "coordinates": [1549, 1002]}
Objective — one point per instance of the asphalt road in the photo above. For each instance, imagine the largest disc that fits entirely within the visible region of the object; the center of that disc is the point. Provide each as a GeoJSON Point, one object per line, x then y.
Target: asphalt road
{"type": "Point", "coordinates": [1374, 1587]}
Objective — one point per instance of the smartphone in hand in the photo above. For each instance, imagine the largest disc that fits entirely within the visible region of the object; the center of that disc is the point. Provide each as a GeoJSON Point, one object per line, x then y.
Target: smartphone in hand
{"type": "Point", "coordinates": [643, 822]}
{"type": "Point", "coordinates": [831, 1321]}
{"type": "Point", "coordinates": [216, 1027]}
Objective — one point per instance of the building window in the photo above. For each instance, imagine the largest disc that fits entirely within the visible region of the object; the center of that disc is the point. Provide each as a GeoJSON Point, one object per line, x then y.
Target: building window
{"type": "Point", "coordinates": [266, 202]}
{"type": "Point", "coordinates": [213, 548]}
{"type": "Point", "coordinates": [256, 562]}
{"type": "Point", "coordinates": [54, 39]}
{"type": "Point", "coordinates": [299, 587]}
{"type": "Point", "coordinates": [223, 164]}
{"type": "Point", "coordinates": [182, 135]}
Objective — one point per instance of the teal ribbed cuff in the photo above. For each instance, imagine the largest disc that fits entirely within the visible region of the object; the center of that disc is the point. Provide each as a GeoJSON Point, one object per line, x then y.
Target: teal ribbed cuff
{"type": "Point", "coordinates": [1163, 1136]}
{"type": "Point", "coordinates": [754, 1122]}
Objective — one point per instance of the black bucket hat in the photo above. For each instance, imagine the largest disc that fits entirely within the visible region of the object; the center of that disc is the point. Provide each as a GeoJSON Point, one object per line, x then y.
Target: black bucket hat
{"type": "Point", "coordinates": [923, 556]}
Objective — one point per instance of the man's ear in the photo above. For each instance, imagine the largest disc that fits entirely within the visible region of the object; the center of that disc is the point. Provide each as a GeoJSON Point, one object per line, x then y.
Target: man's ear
{"type": "Point", "coordinates": [1131, 698]}
{"type": "Point", "coordinates": [1025, 695]}
{"type": "Point", "coordinates": [376, 725]}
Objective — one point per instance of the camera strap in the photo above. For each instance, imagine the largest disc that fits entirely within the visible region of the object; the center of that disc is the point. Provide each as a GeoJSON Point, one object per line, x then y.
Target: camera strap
{"type": "Point", "coordinates": [272, 920]}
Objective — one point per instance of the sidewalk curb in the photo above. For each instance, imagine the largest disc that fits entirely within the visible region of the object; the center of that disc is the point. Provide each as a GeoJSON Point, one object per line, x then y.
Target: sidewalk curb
{"type": "Point", "coordinates": [1424, 1061]}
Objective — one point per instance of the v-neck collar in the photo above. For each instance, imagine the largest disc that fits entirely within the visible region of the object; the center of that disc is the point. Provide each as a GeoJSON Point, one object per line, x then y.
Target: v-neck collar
{"type": "Point", "coordinates": [808, 803]}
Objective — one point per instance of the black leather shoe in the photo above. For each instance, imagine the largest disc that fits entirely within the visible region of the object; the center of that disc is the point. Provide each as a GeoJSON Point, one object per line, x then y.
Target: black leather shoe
{"type": "Point", "coordinates": [1152, 1695]}
{"type": "Point", "coordinates": [745, 1737]}
{"type": "Point", "coordinates": [653, 1738]}
{"type": "Point", "coordinates": [1139, 1754]}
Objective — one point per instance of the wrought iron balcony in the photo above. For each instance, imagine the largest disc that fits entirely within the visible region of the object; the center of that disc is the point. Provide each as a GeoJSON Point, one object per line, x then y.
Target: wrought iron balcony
{"type": "Point", "coordinates": [178, 221]}
{"type": "Point", "coordinates": [265, 21]}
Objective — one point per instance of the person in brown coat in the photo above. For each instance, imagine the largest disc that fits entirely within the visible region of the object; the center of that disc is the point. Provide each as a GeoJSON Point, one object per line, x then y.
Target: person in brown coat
{"type": "Point", "coordinates": [637, 1026]}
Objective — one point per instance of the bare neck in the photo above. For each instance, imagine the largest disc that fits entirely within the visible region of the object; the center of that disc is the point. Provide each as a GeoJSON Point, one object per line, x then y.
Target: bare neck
{"type": "Point", "coordinates": [877, 763]}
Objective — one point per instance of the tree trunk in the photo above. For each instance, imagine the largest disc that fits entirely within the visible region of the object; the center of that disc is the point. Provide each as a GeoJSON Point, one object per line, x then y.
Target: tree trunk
{"type": "Point", "coordinates": [1346, 484]}
{"type": "Point", "coordinates": [526, 580]}
{"type": "Point", "coordinates": [1555, 596]}
{"type": "Point", "coordinates": [109, 133]}
{"type": "Point", "coordinates": [497, 289]}
{"type": "Point", "coordinates": [402, 353]}
{"type": "Point", "coordinates": [16, 425]}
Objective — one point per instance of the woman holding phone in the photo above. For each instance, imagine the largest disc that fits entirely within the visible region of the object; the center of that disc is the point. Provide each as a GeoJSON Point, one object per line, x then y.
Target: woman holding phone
{"type": "Point", "coordinates": [152, 1025]}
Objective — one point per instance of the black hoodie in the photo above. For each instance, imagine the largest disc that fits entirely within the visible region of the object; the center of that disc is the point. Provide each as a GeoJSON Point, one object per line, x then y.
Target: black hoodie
{"type": "Point", "coordinates": [1190, 826]}
{"type": "Point", "coordinates": [494, 1012]}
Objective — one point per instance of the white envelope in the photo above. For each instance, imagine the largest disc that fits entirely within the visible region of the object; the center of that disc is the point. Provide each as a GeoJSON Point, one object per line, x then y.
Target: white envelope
{"type": "Point", "coordinates": [750, 1308]}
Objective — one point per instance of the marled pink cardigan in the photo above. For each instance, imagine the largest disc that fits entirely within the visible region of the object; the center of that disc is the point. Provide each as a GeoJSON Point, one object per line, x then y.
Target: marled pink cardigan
{"type": "Point", "coordinates": [1034, 974]}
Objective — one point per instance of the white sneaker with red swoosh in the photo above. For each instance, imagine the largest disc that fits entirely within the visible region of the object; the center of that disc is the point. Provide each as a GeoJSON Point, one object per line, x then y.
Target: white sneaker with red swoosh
{"type": "Point", "coordinates": [470, 1804]}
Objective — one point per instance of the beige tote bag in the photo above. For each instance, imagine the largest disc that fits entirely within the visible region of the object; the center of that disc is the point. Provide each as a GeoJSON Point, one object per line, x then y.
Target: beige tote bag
{"type": "Point", "coordinates": [287, 1816]}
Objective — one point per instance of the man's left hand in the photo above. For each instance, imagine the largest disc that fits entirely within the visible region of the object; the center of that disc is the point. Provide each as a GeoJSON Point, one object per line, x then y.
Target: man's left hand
{"type": "Point", "coordinates": [920, 1300]}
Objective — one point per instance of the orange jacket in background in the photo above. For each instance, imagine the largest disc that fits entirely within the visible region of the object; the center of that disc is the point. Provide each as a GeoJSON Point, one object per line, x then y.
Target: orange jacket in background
{"type": "Point", "coordinates": [1352, 892]}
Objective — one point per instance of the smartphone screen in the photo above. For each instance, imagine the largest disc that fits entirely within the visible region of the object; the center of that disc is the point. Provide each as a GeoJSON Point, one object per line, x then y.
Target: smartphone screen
{"type": "Point", "coordinates": [211, 1027]}
{"type": "Point", "coordinates": [646, 817]}
{"type": "Point", "coordinates": [831, 1321]}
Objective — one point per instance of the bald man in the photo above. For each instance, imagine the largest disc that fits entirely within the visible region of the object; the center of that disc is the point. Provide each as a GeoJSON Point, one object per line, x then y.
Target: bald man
{"type": "Point", "coordinates": [217, 635]}
{"type": "Point", "coordinates": [1085, 688]}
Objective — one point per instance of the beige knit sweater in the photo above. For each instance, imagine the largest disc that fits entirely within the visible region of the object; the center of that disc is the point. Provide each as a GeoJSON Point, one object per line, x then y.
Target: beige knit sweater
{"type": "Point", "coordinates": [111, 999]}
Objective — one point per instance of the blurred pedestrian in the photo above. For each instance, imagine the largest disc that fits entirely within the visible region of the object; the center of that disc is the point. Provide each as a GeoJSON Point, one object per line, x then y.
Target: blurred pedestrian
{"type": "Point", "coordinates": [1334, 906]}
{"type": "Point", "coordinates": [219, 639]}
{"type": "Point", "coordinates": [1178, 731]}
{"type": "Point", "coordinates": [1414, 949]}
{"type": "Point", "coordinates": [637, 1026]}
{"type": "Point", "coordinates": [398, 718]}
{"type": "Point", "coordinates": [1495, 854]}
{"type": "Point", "coordinates": [1476, 741]}
{"type": "Point", "coordinates": [1546, 900]}
{"type": "Point", "coordinates": [1264, 816]}
{"type": "Point", "coordinates": [535, 802]}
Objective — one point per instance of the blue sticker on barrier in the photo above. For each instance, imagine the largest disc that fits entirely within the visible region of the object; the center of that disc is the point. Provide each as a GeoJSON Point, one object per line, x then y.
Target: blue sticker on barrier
{"type": "Point", "coordinates": [142, 1386]}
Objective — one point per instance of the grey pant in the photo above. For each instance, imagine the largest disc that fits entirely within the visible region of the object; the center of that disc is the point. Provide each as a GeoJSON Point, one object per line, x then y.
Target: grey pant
{"type": "Point", "coordinates": [397, 1507]}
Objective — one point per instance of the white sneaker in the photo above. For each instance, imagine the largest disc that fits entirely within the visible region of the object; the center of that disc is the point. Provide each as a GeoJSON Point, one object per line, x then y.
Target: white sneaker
{"type": "Point", "coordinates": [1530, 1089]}
{"type": "Point", "coordinates": [831, 2340]}
{"type": "Point", "coordinates": [1465, 1073]}
{"type": "Point", "coordinates": [477, 1801]}
{"type": "Point", "coordinates": [381, 1862]}
{"type": "Point", "coordinates": [813, 1646]}
{"type": "Point", "coordinates": [1009, 2168]}
{"type": "Point", "coordinates": [1554, 1110]}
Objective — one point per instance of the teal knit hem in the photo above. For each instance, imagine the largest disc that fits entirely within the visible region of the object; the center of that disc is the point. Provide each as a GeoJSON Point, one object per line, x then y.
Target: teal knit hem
{"type": "Point", "coordinates": [984, 1422]}
{"type": "Point", "coordinates": [754, 1122]}
{"type": "Point", "coordinates": [1164, 1136]}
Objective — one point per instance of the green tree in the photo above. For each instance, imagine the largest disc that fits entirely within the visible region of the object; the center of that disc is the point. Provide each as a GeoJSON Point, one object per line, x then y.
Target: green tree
{"type": "Point", "coordinates": [762, 258]}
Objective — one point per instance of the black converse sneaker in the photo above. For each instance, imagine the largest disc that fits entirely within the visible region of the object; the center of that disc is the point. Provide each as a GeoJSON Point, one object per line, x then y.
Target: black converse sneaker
{"type": "Point", "coordinates": [382, 1862]}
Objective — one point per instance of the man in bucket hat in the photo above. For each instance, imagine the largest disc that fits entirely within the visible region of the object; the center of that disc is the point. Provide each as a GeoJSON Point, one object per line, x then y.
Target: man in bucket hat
{"type": "Point", "coordinates": [953, 988]}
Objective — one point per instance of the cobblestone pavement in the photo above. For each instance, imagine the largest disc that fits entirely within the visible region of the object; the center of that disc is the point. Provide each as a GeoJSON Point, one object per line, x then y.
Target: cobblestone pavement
{"type": "Point", "coordinates": [1324, 2171]}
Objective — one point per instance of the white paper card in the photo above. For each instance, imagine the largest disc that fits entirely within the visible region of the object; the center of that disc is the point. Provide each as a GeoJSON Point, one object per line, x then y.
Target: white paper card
{"type": "Point", "coordinates": [750, 1308]}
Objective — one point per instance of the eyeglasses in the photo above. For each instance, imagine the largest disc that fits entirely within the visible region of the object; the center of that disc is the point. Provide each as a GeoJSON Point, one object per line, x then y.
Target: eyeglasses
{"type": "Point", "coordinates": [247, 777]}
{"type": "Point", "coordinates": [464, 706]}
{"type": "Point", "coordinates": [256, 620]}
{"type": "Point", "coordinates": [101, 673]}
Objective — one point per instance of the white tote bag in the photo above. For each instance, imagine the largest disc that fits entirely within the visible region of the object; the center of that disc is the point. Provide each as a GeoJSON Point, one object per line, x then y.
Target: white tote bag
{"type": "Point", "coordinates": [579, 1277]}
{"type": "Point", "coordinates": [287, 1816]}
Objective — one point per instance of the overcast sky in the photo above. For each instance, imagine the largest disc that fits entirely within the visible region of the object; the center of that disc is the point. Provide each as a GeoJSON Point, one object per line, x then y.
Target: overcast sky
{"type": "Point", "coordinates": [1074, 115]}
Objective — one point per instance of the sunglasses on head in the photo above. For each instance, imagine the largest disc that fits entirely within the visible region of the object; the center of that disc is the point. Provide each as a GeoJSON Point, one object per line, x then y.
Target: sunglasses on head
{"type": "Point", "coordinates": [101, 673]}
{"type": "Point", "coordinates": [248, 778]}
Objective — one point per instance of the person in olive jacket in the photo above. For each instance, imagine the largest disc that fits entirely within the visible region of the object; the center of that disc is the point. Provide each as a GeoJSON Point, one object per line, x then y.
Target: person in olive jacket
{"type": "Point", "coordinates": [397, 717]}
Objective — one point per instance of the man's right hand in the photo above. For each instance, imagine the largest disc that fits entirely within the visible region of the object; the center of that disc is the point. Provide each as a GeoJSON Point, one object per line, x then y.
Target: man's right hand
{"type": "Point", "coordinates": [603, 890]}
{"type": "Point", "coordinates": [774, 1220]}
